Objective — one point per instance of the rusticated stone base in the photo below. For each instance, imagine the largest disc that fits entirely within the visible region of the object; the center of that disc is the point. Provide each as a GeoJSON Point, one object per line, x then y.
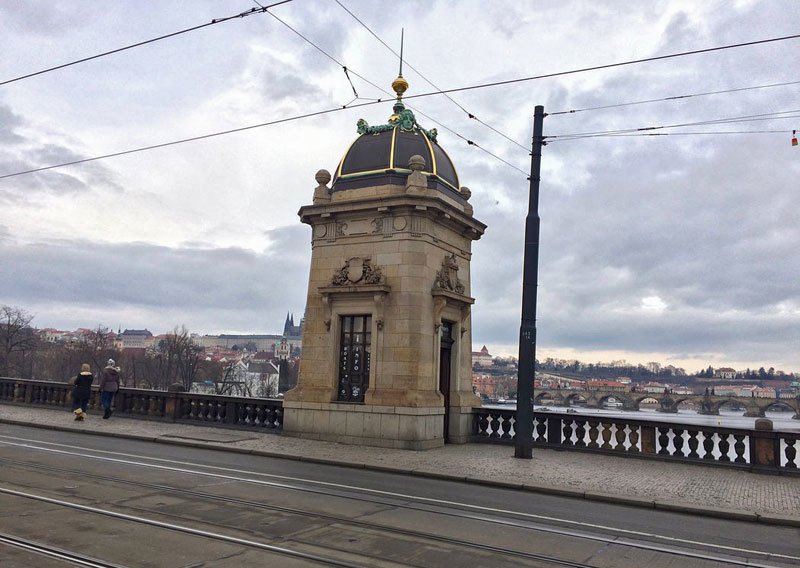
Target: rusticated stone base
{"type": "Point", "coordinates": [365, 424]}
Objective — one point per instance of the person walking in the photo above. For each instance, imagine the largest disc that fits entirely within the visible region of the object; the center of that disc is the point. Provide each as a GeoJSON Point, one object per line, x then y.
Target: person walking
{"type": "Point", "coordinates": [82, 391]}
{"type": "Point", "coordinates": [109, 385]}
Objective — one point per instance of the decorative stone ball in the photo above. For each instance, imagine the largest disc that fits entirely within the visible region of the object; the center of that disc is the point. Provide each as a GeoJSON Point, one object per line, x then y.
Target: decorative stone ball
{"type": "Point", "coordinates": [416, 163]}
{"type": "Point", "coordinates": [465, 191]}
{"type": "Point", "coordinates": [323, 177]}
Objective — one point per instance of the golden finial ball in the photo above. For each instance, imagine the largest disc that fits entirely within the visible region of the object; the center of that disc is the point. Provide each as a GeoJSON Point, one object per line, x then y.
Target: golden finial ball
{"type": "Point", "coordinates": [399, 86]}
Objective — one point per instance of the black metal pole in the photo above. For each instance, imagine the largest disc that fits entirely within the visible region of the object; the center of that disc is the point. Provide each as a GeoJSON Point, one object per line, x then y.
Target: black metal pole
{"type": "Point", "coordinates": [523, 428]}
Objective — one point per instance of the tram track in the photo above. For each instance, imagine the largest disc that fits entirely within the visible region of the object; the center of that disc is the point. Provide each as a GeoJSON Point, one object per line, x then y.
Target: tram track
{"type": "Point", "coordinates": [511, 518]}
{"type": "Point", "coordinates": [282, 550]}
{"type": "Point", "coordinates": [371, 560]}
{"type": "Point", "coordinates": [55, 553]}
{"type": "Point", "coordinates": [340, 520]}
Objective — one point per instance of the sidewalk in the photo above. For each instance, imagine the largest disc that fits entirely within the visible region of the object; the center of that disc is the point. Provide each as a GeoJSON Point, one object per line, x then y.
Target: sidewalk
{"type": "Point", "coordinates": [645, 483]}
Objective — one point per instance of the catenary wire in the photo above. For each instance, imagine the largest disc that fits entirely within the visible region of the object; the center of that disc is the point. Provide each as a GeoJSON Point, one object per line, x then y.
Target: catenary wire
{"type": "Point", "coordinates": [418, 72]}
{"type": "Point", "coordinates": [346, 69]}
{"type": "Point", "coordinates": [642, 134]}
{"type": "Point", "coordinates": [728, 120]}
{"type": "Point", "coordinates": [674, 98]}
{"type": "Point", "coordinates": [609, 65]}
{"type": "Point", "coordinates": [420, 95]}
{"type": "Point", "coordinates": [141, 43]}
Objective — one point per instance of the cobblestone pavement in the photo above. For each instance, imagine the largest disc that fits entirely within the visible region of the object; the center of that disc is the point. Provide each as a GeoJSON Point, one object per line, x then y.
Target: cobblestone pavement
{"type": "Point", "coordinates": [647, 483]}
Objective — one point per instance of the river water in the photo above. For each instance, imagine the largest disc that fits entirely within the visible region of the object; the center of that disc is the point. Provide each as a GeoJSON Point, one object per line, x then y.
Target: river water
{"type": "Point", "coordinates": [782, 421]}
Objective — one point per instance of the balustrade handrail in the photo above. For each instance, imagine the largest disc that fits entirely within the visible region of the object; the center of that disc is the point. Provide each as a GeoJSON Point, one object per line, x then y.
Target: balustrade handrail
{"type": "Point", "coordinates": [210, 409]}
{"type": "Point", "coordinates": [753, 448]}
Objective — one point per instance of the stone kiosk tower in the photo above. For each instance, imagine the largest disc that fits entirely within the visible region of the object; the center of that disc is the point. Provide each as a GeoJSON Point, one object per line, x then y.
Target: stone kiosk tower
{"type": "Point", "coordinates": [387, 342]}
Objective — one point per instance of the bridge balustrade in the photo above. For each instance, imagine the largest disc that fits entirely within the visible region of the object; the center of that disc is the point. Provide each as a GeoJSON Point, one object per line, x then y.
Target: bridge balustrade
{"type": "Point", "coordinates": [755, 449]}
{"type": "Point", "coordinates": [211, 410]}
{"type": "Point", "coordinates": [758, 450]}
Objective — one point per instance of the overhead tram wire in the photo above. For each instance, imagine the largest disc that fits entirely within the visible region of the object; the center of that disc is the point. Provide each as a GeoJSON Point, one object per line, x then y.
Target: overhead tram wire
{"type": "Point", "coordinates": [608, 66]}
{"type": "Point", "coordinates": [674, 98]}
{"type": "Point", "coordinates": [347, 69]}
{"type": "Point", "coordinates": [184, 140]}
{"type": "Point", "coordinates": [642, 134]}
{"type": "Point", "coordinates": [418, 72]}
{"type": "Point", "coordinates": [787, 114]}
{"type": "Point", "coordinates": [369, 103]}
{"type": "Point", "coordinates": [141, 43]}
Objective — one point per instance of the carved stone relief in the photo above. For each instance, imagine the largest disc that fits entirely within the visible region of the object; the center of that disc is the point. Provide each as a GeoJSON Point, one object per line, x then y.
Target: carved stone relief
{"type": "Point", "coordinates": [447, 277]}
{"type": "Point", "coordinates": [358, 270]}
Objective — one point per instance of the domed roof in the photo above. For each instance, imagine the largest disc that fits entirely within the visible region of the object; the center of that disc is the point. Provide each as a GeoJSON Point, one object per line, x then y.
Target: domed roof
{"type": "Point", "coordinates": [381, 154]}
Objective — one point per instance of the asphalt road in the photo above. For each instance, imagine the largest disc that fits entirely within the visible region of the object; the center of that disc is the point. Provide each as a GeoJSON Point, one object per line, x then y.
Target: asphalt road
{"type": "Point", "coordinates": [139, 504]}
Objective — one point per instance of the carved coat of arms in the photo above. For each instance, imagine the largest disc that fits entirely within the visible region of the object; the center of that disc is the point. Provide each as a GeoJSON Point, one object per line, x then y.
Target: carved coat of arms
{"type": "Point", "coordinates": [357, 270]}
{"type": "Point", "coordinates": [447, 277]}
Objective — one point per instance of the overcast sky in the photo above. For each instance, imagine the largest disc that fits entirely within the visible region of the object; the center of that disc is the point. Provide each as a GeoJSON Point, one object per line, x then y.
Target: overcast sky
{"type": "Point", "coordinates": [681, 249]}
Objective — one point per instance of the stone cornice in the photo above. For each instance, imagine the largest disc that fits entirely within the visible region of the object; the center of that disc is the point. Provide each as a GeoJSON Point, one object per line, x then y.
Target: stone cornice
{"type": "Point", "coordinates": [364, 289]}
{"type": "Point", "coordinates": [436, 208]}
{"type": "Point", "coordinates": [457, 298]}
{"type": "Point", "coordinates": [378, 292]}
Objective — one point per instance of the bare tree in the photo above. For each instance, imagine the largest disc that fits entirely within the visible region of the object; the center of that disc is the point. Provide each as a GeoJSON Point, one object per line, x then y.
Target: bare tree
{"type": "Point", "coordinates": [17, 341]}
{"type": "Point", "coordinates": [136, 368]}
{"type": "Point", "coordinates": [232, 380]}
{"type": "Point", "coordinates": [177, 359]}
{"type": "Point", "coordinates": [96, 347]}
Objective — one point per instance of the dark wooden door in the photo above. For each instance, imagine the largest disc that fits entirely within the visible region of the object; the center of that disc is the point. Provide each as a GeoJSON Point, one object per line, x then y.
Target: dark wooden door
{"type": "Point", "coordinates": [445, 356]}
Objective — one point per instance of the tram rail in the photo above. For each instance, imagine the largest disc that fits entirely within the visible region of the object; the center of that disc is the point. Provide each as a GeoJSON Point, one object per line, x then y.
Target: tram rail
{"type": "Point", "coordinates": [675, 547]}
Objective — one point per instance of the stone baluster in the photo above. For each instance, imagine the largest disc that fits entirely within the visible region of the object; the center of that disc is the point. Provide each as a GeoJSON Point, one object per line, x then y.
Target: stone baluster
{"type": "Point", "coordinates": [663, 441]}
{"type": "Point", "coordinates": [724, 448]}
{"type": "Point", "coordinates": [482, 422]}
{"type": "Point", "coordinates": [634, 439]}
{"type": "Point", "coordinates": [620, 437]}
{"type": "Point", "coordinates": [540, 430]}
{"type": "Point", "coordinates": [580, 433]}
{"type": "Point", "coordinates": [678, 442]}
{"type": "Point", "coordinates": [790, 452]}
{"type": "Point", "coordinates": [708, 445]}
{"type": "Point", "coordinates": [505, 425]}
{"type": "Point", "coordinates": [605, 435]}
{"type": "Point", "coordinates": [739, 447]}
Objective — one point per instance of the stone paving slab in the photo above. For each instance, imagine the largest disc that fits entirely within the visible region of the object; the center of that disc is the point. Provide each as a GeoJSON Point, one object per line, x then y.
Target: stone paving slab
{"type": "Point", "coordinates": [694, 488]}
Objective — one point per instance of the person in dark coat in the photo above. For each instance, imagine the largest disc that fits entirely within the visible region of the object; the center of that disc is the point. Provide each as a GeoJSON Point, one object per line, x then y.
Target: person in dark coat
{"type": "Point", "coordinates": [82, 392]}
{"type": "Point", "coordinates": [109, 385]}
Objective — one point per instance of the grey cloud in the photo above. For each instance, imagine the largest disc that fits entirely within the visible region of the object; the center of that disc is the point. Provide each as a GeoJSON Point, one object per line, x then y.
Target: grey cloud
{"type": "Point", "coordinates": [696, 221]}
{"type": "Point", "coordinates": [281, 82]}
{"type": "Point", "coordinates": [39, 18]}
{"type": "Point", "coordinates": [216, 288]}
{"type": "Point", "coordinates": [92, 176]}
{"type": "Point", "coordinates": [8, 123]}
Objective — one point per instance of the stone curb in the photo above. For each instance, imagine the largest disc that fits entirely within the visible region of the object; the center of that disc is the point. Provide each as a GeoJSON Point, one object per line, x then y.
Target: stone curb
{"type": "Point", "coordinates": [679, 507]}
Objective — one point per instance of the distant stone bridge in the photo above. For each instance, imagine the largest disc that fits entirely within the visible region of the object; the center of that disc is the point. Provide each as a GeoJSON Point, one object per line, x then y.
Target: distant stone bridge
{"type": "Point", "coordinates": [667, 402]}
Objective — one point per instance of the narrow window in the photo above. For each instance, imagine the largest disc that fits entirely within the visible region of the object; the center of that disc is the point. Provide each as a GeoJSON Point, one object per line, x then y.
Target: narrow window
{"type": "Point", "coordinates": [354, 355]}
